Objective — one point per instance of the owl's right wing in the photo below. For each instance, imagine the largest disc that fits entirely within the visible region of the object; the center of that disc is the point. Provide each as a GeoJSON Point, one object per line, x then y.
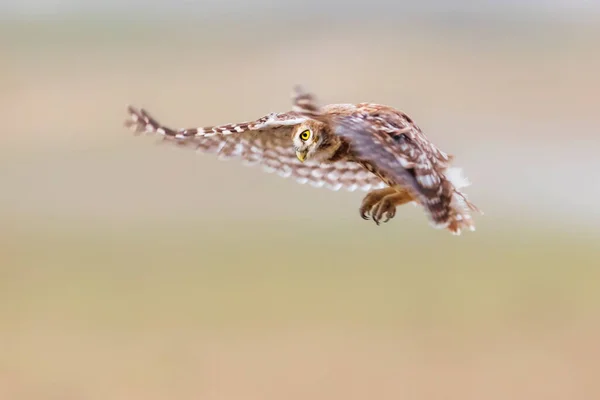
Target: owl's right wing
{"type": "Point", "coordinates": [266, 142]}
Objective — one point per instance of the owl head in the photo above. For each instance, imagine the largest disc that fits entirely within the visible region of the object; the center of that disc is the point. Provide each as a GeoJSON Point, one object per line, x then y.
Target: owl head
{"type": "Point", "coordinates": [309, 139]}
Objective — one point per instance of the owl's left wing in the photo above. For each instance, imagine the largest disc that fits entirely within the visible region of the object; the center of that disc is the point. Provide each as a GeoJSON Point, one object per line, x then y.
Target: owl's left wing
{"type": "Point", "coordinates": [265, 142]}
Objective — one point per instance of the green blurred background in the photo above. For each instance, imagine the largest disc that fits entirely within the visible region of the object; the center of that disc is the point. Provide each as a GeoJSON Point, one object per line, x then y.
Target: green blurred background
{"type": "Point", "coordinates": [131, 270]}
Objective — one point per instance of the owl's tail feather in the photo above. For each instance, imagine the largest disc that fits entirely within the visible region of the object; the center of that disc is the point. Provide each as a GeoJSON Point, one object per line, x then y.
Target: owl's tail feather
{"type": "Point", "coordinates": [460, 215]}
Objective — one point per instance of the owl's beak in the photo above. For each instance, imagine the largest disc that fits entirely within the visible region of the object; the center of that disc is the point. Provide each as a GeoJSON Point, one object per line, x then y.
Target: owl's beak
{"type": "Point", "coordinates": [301, 155]}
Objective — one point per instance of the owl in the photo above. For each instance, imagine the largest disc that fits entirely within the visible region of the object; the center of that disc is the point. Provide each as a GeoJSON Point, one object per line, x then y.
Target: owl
{"type": "Point", "coordinates": [366, 146]}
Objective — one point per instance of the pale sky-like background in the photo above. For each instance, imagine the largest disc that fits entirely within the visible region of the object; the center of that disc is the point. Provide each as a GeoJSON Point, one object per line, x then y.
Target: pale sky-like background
{"type": "Point", "coordinates": [130, 270]}
{"type": "Point", "coordinates": [553, 8]}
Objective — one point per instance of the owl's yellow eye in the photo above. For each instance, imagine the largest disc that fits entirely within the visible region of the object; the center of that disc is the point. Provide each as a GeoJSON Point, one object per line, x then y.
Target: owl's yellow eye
{"type": "Point", "coordinates": [305, 135]}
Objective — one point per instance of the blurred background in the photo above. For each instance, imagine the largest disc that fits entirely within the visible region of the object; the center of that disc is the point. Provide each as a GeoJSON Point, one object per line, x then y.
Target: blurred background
{"type": "Point", "coordinates": [132, 270]}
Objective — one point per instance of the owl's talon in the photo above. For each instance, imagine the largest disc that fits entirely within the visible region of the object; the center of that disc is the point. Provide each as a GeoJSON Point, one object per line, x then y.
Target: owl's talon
{"type": "Point", "coordinates": [364, 211]}
{"type": "Point", "coordinates": [385, 210]}
{"type": "Point", "coordinates": [371, 201]}
{"type": "Point", "coordinates": [388, 216]}
{"type": "Point", "coordinates": [391, 213]}
{"type": "Point", "coordinates": [366, 208]}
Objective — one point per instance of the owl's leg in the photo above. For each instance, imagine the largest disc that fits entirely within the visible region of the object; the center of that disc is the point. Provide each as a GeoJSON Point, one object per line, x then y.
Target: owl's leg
{"type": "Point", "coordinates": [386, 207]}
{"type": "Point", "coordinates": [372, 199]}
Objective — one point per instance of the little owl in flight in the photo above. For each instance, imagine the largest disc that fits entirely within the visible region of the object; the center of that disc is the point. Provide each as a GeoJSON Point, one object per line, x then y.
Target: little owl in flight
{"type": "Point", "coordinates": [365, 146]}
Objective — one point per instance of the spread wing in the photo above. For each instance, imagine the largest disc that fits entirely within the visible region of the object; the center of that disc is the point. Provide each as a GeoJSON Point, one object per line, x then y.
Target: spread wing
{"type": "Point", "coordinates": [265, 142]}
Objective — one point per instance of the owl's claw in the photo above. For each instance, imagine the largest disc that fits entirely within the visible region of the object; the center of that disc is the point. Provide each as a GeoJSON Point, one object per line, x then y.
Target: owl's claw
{"type": "Point", "coordinates": [370, 202]}
{"type": "Point", "coordinates": [385, 210]}
{"type": "Point", "coordinates": [381, 204]}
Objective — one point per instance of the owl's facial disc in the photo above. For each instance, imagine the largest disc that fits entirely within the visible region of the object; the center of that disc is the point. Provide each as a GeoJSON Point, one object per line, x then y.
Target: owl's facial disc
{"type": "Point", "coordinates": [304, 143]}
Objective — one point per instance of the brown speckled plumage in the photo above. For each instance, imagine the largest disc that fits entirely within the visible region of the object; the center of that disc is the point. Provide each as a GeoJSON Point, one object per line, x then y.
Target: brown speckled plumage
{"type": "Point", "coordinates": [363, 146]}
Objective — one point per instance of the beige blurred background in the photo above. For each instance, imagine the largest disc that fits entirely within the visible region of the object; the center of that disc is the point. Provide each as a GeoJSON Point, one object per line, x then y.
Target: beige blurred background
{"type": "Point", "coordinates": [130, 270]}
